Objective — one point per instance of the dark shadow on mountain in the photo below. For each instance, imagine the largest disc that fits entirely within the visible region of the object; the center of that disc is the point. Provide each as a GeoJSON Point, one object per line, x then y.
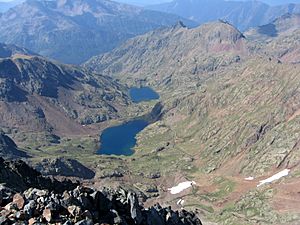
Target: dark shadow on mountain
{"type": "Point", "coordinates": [269, 30]}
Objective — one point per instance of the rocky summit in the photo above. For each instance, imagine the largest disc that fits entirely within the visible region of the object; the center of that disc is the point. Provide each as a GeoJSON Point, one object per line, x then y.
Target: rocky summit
{"type": "Point", "coordinates": [81, 205]}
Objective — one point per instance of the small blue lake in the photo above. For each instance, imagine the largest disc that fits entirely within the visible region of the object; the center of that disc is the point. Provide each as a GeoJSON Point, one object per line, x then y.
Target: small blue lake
{"type": "Point", "coordinates": [142, 94]}
{"type": "Point", "coordinates": [120, 140]}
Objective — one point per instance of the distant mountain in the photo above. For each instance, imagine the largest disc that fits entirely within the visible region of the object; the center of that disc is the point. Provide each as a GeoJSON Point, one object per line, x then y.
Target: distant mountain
{"type": "Point", "coordinates": [280, 2]}
{"type": "Point", "coordinates": [72, 31]}
{"type": "Point", "coordinates": [39, 95]}
{"type": "Point", "coordinates": [284, 25]}
{"type": "Point", "coordinates": [241, 14]}
{"type": "Point", "coordinates": [280, 39]}
{"type": "Point", "coordinates": [142, 2]}
{"type": "Point", "coordinates": [4, 6]}
{"type": "Point", "coordinates": [10, 50]}
{"type": "Point", "coordinates": [165, 55]}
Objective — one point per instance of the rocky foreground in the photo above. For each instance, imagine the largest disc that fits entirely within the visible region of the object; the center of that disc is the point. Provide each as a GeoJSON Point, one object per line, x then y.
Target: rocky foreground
{"type": "Point", "coordinates": [63, 203]}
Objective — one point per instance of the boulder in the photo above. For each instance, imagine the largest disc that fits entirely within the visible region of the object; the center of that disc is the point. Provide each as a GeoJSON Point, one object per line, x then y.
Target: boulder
{"type": "Point", "coordinates": [19, 200]}
{"type": "Point", "coordinates": [85, 222]}
{"type": "Point", "coordinates": [48, 215]}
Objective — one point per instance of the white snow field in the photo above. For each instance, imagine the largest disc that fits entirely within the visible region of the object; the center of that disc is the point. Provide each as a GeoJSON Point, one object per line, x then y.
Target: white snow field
{"type": "Point", "coordinates": [181, 187]}
{"type": "Point", "coordinates": [275, 177]}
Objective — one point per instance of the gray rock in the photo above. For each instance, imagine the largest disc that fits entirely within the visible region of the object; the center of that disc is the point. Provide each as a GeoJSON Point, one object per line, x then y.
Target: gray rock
{"type": "Point", "coordinates": [154, 175]}
{"type": "Point", "coordinates": [111, 174]}
{"type": "Point", "coordinates": [154, 218]}
{"type": "Point", "coordinates": [85, 202]}
{"type": "Point", "coordinates": [135, 210]}
{"type": "Point", "coordinates": [30, 207]}
{"type": "Point", "coordinates": [68, 222]}
{"type": "Point", "coordinates": [117, 219]}
{"type": "Point", "coordinates": [3, 220]}
{"type": "Point", "coordinates": [85, 222]}
{"type": "Point", "coordinates": [119, 207]}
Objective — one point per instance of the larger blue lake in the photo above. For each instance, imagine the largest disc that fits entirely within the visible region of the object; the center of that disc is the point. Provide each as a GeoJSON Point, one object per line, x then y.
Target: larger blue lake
{"type": "Point", "coordinates": [120, 140]}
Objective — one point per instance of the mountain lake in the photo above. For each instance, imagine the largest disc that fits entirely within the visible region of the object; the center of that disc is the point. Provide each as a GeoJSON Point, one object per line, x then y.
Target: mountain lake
{"type": "Point", "coordinates": [120, 140]}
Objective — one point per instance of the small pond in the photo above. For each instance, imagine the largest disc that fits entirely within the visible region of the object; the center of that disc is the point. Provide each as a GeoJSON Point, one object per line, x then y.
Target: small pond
{"type": "Point", "coordinates": [142, 94]}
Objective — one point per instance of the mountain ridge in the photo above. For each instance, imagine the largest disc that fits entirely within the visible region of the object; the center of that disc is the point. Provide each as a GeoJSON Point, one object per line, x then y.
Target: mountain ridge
{"type": "Point", "coordinates": [89, 27]}
{"type": "Point", "coordinates": [43, 96]}
{"type": "Point", "coordinates": [217, 38]}
{"type": "Point", "coordinates": [241, 14]}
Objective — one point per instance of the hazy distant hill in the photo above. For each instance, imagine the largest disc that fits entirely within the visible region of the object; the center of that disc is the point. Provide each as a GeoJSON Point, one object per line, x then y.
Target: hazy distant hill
{"type": "Point", "coordinates": [280, 2]}
{"type": "Point", "coordinates": [10, 50]}
{"type": "Point", "coordinates": [280, 38]}
{"type": "Point", "coordinates": [241, 14]}
{"type": "Point", "coordinates": [4, 6]}
{"type": "Point", "coordinates": [74, 30]}
{"type": "Point", "coordinates": [143, 2]}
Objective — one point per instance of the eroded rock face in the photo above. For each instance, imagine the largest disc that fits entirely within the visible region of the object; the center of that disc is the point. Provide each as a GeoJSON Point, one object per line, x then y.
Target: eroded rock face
{"type": "Point", "coordinates": [78, 205]}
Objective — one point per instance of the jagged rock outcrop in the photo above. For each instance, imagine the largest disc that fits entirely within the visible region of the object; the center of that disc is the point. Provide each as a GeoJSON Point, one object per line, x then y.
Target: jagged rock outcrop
{"type": "Point", "coordinates": [18, 176]}
{"type": "Point", "coordinates": [61, 166]}
{"type": "Point", "coordinates": [80, 205]}
{"type": "Point", "coordinates": [8, 147]}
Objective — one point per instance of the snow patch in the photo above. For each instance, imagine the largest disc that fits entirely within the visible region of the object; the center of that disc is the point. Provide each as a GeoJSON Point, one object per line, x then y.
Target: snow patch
{"type": "Point", "coordinates": [249, 178]}
{"type": "Point", "coordinates": [180, 202]}
{"type": "Point", "coordinates": [275, 177]}
{"type": "Point", "coordinates": [181, 187]}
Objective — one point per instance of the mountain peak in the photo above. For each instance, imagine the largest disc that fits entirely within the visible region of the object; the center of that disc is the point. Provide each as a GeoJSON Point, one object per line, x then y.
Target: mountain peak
{"type": "Point", "coordinates": [220, 31]}
{"type": "Point", "coordinates": [179, 25]}
{"type": "Point", "coordinates": [284, 24]}
{"type": "Point", "coordinates": [11, 50]}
